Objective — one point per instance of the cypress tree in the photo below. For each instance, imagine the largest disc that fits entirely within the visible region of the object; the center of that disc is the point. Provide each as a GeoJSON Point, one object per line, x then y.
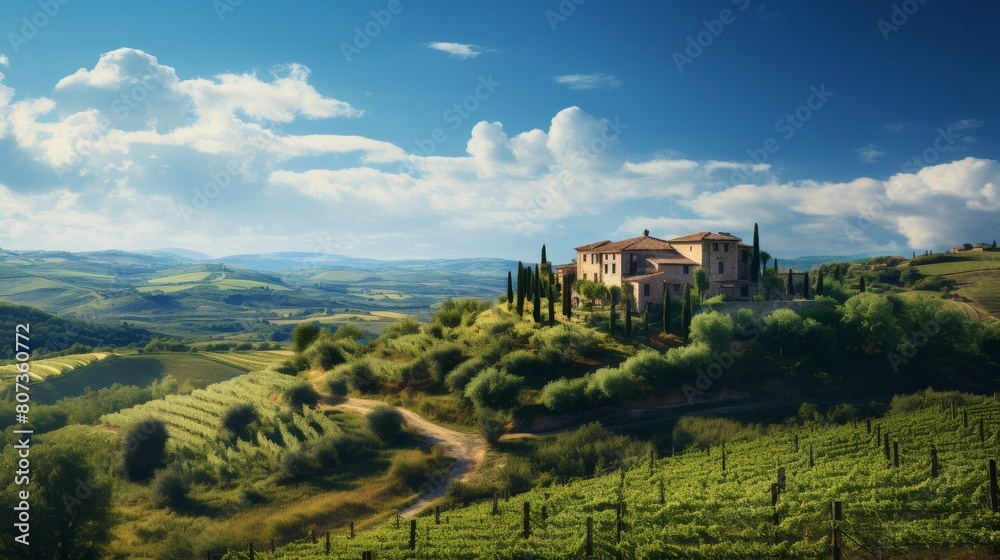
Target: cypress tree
{"type": "Point", "coordinates": [755, 256]}
{"type": "Point", "coordinates": [544, 260]}
{"type": "Point", "coordinates": [567, 301]}
{"type": "Point", "coordinates": [666, 309]}
{"type": "Point", "coordinates": [552, 305]}
{"type": "Point", "coordinates": [510, 291]}
{"type": "Point", "coordinates": [628, 313]}
{"type": "Point", "coordinates": [861, 284]}
{"type": "Point", "coordinates": [686, 311]}
{"type": "Point", "coordinates": [536, 311]}
{"type": "Point", "coordinates": [805, 287]}
{"type": "Point", "coordinates": [536, 287]}
{"type": "Point", "coordinates": [994, 243]}
{"type": "Point", "coordinates": [836, 272]}
{"type": "Point", "coordinates": [520, 289]}
{"type": "Point", "coordinates": [791, 285]}
{"type": "Point", "coordinates": [819, 283]}
{"type": "Point", "coordinates": [775, 264]}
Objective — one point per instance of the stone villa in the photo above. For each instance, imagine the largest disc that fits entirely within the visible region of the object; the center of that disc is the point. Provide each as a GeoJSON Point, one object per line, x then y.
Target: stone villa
{"type": "Point", "coordinates": [651, 265]}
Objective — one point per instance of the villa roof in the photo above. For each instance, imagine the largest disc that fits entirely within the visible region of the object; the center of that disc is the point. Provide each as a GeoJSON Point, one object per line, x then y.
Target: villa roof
{"type": "Point", "coordinates": [641, 243]}
{"type": "Point", "coordinates": [674, 259]}
{"type": "Point", "coordinates": [594, 245]}
{"type": "Point", "coordinates": [638, 277]}
{"type": "Point", "coordinates": [706, 236]}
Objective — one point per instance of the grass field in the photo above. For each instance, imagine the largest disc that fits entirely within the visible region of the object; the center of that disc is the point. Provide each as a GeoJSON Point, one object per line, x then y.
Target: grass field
{"type": "Point", "coordinates": [973, 312]}
{"type": "Point", "coordinates": [133, 370]}
{"type": "Point", "coordinates": [341, 318]}
{"type": "Point", "coordinates": [231, 284]}
{"type": "Point", "coordinates": [957, 267]}
{"type": "Point", "coordinates": [982, 286]}
{"type": "Point", "coordinates": [166, 288]}
{"type": "Point", "coordinates": [181, 278]}
{"type": "Point", "coordinates": [250, 361]}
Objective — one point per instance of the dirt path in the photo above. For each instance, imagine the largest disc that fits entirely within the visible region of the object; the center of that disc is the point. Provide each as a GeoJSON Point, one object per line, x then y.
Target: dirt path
{"type": "Point", "coordinates": [468, 450]}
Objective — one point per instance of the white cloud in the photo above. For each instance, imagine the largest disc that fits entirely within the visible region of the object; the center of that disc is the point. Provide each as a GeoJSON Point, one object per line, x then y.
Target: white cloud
{"type": "Point", "coordinates": [462, 51]}
{"type": "Point", "coordinates": [966, 124]}
{"type": "Point", "coordinates": [869, 153]}
{"type": "Point", "coordinates": [588, 81]}
{"type": "Point", "coordinates": [4, 61]}
{"type": "Point", "coordinates": [215, 164]}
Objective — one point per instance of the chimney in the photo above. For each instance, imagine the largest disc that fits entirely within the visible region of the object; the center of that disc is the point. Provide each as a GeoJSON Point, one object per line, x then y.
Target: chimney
{"type": "Point", "coordinates": [645, 233]}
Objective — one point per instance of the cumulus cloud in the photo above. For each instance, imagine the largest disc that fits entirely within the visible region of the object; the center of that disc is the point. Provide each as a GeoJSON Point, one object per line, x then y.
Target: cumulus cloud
{"type": "Point", "coordinates": [461, 51]}
{"type": "Point", "coordinates": [588, 81]}
{"type": "Point", "coordinates": [4, 61]}
{"type": "Point", "coordinates": [132, 154]}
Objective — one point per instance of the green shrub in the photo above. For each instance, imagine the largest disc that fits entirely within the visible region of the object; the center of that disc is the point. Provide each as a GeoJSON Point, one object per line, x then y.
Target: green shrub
{"type": "Point", "coordinates": [300, 395]}
{"type": "Point", "coordinates": [650, 366]}
{"type": "Point", "coordinates": [566, 395]}
{"type": "Point", "coordinates": [170, 487]}
{"type": "Point", "coordinates": [690, 358]}
{"type": "Point", "coordinates": [145, 446]}
{"type": "Point", "coordinates": [238, 422]}
{"type": "Point", "coordinates": [445, 358]}
{"type": "Point", "coordinates": [304, 335]}
{"type": "Point", "coordinates": [702, 432]}
{"type": "Point", "coordinates": [297, 465]}
{"type": "Point", "coordinates": [570, 341]}
{"type": "Point", "coordinates": [385, 422]}
{"type": "Point", "coordinates": [714, 329]}
{"type": "Point", "coordinates": [402, 328]}
{"type": "Point", "coordinates": [534, 368]}
{"type": "Point", "coordinates": [359, 373]}
{"type": "Point", "coordinates": [583, 452]}
{"type": "Point", "coordinates": [492, 425]}
{"type": "Point", "coordinates": [455, 312]}
{"type": "Point", "coordinates": [287, 367]}
{"type": "Point", "coordinates": [495, 389]}
{"type": "Point", "coordinates": [615, 385]}
{"type": "Point", "coordinates": [418, 470]}
{"type": "Point", "coordinates": [459, 378]}
{"type": "Point", "coordinates": [324, 353]}
{"type": "Point", "coordinates": [337, 384]}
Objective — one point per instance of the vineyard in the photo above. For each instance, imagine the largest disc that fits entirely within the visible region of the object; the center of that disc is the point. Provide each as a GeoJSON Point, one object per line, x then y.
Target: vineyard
{"type": "Point", "coordinates": [43, 369]}
{"type": "Point", "coordinates": [250, 361]}
{"type": "Point", "coordinates": [915, 480]}
{"type": "Point", "coordinates": [194, 421]}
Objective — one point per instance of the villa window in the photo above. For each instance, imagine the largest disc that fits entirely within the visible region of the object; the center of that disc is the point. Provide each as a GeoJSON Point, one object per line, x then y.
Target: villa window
{"type": "Point", "coordinates": [584, 275]}
{"type": "Point", "coordinates": [715, 246]}
{"type": "Point", "coordinates": [725, 247]}
{"type": "Point", "coordinates": [612, 268]}
{"type": "Point", "coordinates": [605, 269]}
{"type": "Point", "coordinates": [686, 269]}
{"type": "Point", "coordinates": [721, 267]}
{"type": "Point", "coordinates": [645, 290]}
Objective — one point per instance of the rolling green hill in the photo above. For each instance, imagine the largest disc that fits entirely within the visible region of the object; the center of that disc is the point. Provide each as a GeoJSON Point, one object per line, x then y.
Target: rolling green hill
{"type": "Point", "coordinates": [974, 276]}
{"type": "Point", "coordinates": [50, 333]}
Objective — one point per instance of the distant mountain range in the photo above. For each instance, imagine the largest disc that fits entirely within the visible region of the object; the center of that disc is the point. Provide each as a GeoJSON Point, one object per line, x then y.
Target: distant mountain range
{"type": "Point", "coordinates": [809, 263]}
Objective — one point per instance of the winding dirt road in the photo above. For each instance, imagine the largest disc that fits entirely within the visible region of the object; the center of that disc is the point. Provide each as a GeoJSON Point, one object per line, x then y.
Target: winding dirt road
{"type": "Point", "coordinates": [468, 450]}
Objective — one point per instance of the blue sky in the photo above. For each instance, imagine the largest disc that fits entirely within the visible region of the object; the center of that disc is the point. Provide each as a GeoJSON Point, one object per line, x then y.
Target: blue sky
{"type": "Point", "coordinates": [444, 129]}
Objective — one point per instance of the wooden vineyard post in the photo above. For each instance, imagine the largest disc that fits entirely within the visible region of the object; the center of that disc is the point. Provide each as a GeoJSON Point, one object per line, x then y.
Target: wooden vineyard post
{"type": "Point", "coordinates": [781, 479]}
{"type": "Point", "coordinates": [252, 552]}
{"type": "Point", "coordinates": [352, 529]}
{"type": "Point", "coordinates": [328, 539]}
{"type": "Point", "coordinates": [366, 555]}
{"type": "Point", "coordinates": [723, 458]}
{"type": "Point", "coordinates": [934, 462]}
{"type": "Point", "coordinates": [437, 515]}
{"type": "Point", "coordinates": [895, 454]}
{"type": "Point", "coordinates": [496, 509]}
{"type": "Point", "coordinates": [652, 458]}
{"type": "Point", "coordinates": [590, 537]}
{"type": "Point", "coordinates": [838, 515]}
{"type": "Point", "coordinates": [993, 486]}
{"type": "Point", "coordinates": [272, 545]}
{"type": "Point", "coordinates": [312, 535]}
{"type": "Point", "coordinates": [526, 531]}
{"type": "Point", "coordinates": [774, 502]}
